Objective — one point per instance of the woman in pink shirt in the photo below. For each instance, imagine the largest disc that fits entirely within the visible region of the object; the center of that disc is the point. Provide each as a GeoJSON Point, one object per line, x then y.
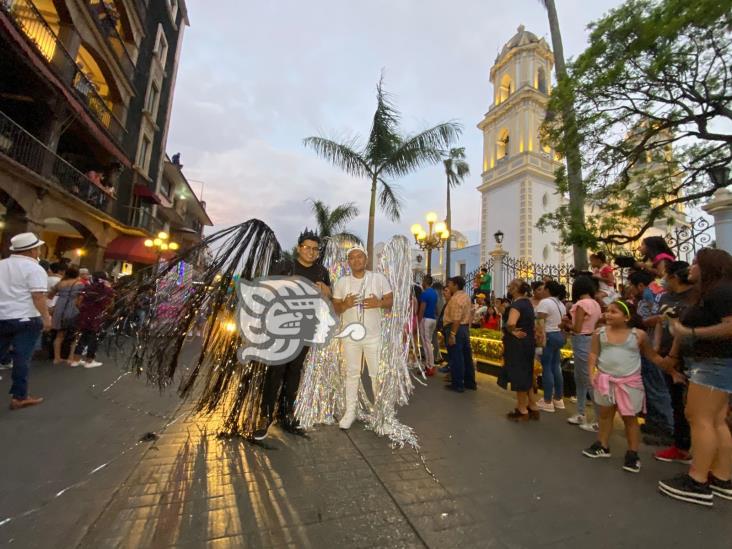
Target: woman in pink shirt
{"type": "Point", "coordinates": [584, 315]}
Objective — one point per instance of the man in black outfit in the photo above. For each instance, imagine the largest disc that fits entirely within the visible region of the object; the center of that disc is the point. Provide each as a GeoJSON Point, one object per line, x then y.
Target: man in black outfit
{"type": "Point", "coordinates": [282, 381]}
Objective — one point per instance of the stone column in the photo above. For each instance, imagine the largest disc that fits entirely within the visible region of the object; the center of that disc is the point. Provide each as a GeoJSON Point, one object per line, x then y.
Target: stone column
{"type": "Point", "coordinates": [94, 257]}
{"type": "Point", "coordinates": [720, 207]}
{"type": "Point", "coordinates": [499, 271]}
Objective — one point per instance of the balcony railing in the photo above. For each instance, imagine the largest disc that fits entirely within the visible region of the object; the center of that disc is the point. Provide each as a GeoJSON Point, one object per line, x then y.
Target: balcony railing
{"type": "Point", "coordinates": [106, 23]}
{"type": "Point", "coordinates": [143, 219]}
{"type": "Point", "coordinates": [21, 146]}
{"type": "Point", "coordinates": [31, 23]}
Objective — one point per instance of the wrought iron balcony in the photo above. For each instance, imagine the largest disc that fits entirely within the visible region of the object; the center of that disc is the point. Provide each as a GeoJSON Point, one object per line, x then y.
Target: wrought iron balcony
{"type": "Point", "coordinates": [20, 146]}
{"type": "Point", "coordinates": [31, 23]}
{"type": "Point", "coordinates": [143, 219]}
{"type": "Point", "coordinates": [105, 21]}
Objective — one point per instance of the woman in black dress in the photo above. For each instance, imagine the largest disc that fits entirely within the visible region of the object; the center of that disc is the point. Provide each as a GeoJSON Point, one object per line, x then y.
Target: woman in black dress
{"type": "Point", "coordinates": [519, 345]}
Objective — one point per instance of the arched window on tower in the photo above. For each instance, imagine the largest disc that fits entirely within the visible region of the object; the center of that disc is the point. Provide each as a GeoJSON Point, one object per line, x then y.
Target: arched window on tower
{"type": "Point", "coordinates": [506, 88]}
{"type": "Point", "coordinates": [502, 145]}
{"type": "Point", "coordinates": [541, 80]}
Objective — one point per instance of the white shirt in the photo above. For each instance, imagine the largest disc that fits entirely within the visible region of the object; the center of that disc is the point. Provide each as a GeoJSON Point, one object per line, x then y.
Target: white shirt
{"type": "Point", "coordinates": [554, 311]}
{"type": "Point", "coordinates": [52, 281]}
{"type": "Point", "coordinates": [372, 284]}
{"type": "Point", "coordinates": [19, 276]}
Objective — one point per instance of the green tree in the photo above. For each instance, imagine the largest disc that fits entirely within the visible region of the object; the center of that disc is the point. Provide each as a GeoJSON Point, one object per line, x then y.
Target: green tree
{"type": "Point", "coordinates": [653, 93]}
{"type": "Point", "coordinates": [332, 223]}
{"type": "Point", "coordinates": [387, 155]}
{"type": "Point", "coordinates": [456, 170]}
{"type": "Point", "coordinates": [572, 184]}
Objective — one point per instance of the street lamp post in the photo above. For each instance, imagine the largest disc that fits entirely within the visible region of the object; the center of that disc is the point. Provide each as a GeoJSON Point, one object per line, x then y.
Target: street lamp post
{"type": "Point", "coordinates": [161, 244]}
{"type": "Point", "coordinates": [431, 239]}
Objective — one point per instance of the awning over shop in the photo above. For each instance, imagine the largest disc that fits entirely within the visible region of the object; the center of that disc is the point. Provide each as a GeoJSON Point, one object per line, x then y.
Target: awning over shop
{"type": "Point", "coordinates": [133, 250]}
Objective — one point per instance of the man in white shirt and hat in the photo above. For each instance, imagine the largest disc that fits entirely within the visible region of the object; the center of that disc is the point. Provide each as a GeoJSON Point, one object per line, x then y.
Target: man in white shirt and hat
{"type": "Point", "coordinates": [359, 298]}
{"type": "Point", "coordinates": [23, 311]}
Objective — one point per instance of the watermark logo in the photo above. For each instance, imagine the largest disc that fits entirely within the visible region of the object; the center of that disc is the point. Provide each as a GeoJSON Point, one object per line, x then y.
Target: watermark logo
{"type": "Point", "coordinates": [278, 316]}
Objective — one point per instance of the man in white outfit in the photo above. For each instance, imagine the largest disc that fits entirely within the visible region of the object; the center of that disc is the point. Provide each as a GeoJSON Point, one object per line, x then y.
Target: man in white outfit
{"type": "Point", "coordinates": [359, 297]}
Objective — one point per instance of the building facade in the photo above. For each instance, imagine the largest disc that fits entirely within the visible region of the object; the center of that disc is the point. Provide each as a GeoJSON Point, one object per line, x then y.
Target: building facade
{"type": "Point", "coordinates": [517, 185]}
{"type": "Point", "coordinates": [85, 102]}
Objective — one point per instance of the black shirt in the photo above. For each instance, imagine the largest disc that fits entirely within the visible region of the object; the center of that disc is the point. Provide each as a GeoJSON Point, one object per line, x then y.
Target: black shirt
{"type": "Point", "coordinates": [679, 302]}
{"type": "Point", "coordinates": [314, 273]}
{"type": "Point", "coordinates": [713, 307]}
{"type": "Point", "coordinates": [526, 320]}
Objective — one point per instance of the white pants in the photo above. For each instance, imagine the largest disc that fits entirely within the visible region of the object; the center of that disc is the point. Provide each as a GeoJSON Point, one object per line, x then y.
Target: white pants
{"type": "Point", "coordinates": [352, 352]}
{"type": "Point", "coordinates": [427, 328]}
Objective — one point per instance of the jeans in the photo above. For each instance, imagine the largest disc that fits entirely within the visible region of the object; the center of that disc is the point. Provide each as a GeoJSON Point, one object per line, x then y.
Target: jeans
{"type": "Point", "coordinates": [658, 400]}
{"type": "Point", "coordinates": [90, 340]}
{"type": "Point", "coordinates": [682, 431]}
{"type": "Point", "coordinates": [460, 358]}
{"type": "Point", "coordinates": [427, 327]}
{"type": "Point", "coordinates": [581, 351]}
{"type": "Point", "coordinates": [281, 383]}
{"type": "Point", "coordinates": [22, 335]}
{"type": "Point", "coordinates": [551, 366]}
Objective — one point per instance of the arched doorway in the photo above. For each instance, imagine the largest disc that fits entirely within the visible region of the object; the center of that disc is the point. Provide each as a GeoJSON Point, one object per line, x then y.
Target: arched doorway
{"type": "Point", "coordinates": [69, 239]}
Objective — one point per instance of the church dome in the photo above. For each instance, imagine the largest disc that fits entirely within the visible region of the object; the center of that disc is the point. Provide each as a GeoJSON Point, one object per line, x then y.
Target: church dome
{"type": "Point", "coordinates": [521, 38]}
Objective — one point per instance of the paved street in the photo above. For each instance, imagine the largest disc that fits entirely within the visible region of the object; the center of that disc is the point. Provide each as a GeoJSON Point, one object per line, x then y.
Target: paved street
{"type": "Point", "coordinates": [498, 484]}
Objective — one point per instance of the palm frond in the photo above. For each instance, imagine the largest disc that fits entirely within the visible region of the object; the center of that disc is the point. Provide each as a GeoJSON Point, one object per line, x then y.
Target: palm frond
{"type": "Point", "coordinates": [342, 215]}
{"type": "Point", "coordinates": [322, 216]}
{"type": "Point", "coordinates": [341, 155]}
{"type": "Point", "coordinates": [390, 201]}
{"type": "Point", "coordinates": [384, 135]}
{"type": "Point", "coordinates": [419, 150]}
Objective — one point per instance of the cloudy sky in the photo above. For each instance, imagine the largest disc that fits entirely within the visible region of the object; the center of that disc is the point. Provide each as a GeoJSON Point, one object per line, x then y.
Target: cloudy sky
{"type": "Point", "coordinates": [255, 78]}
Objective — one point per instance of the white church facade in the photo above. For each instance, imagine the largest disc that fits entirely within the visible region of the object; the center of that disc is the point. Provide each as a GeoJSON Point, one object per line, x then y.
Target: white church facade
{"type": "Point", "coordinates": [517, 185]}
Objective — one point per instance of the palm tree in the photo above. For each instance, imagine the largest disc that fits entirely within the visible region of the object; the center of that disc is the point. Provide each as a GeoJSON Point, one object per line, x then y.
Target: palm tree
{"type": "Point", "coordinates": [332, 223]}
{"type": "Point", "coordinates": [456, 170]}
{"type": "Point", "coordinates": [574, 159]}
{"type": "Point", "coordinates": [386, 155]}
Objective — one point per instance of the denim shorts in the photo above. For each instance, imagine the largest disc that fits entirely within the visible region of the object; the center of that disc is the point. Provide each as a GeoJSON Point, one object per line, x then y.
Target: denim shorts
{"type": "Point", "coordinates": [711, 372]}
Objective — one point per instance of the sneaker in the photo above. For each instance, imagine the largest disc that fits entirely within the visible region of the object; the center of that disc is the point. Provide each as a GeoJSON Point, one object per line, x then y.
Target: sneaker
{"type": "Point", "coordinates": [260, 434]}
{"type": "Point", "coordinates": [545, 406]}
{"type": "Point", "coordinates": [577, 419]}
{"type": "Point", "coordinates": [721, 488]}
{"type": "Point", "coordinates": [590, 427]}
{"type": "Point", "coordinates": [74, 364]}
{"type": "Point", "coordinates": [559, 404]}
{"type": "Point", "coordinates": [632, 462]}
{"type": "Point", "coordinates": [92, 364]}
{"type": "Point", "coordinates": [673, 455]}
{"type": "Point", "coordinates": [347, 420]}
{"type": "Point", "coordinates": [685, 488]}
{"type": "Point", "coordinates": [597, 450]}
{"type": "Point", "coordinates": [7, 366]}
{"type": "Point", "coordinates": [573, 400]}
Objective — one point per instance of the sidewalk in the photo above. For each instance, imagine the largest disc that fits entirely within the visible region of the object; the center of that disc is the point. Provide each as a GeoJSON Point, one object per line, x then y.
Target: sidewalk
{"type": "Point", "coordinates": [499, 485]}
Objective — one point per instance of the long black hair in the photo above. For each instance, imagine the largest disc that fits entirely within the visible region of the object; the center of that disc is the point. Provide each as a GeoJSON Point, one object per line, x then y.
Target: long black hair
{"type": "Point", "coordinates": [656, 245]}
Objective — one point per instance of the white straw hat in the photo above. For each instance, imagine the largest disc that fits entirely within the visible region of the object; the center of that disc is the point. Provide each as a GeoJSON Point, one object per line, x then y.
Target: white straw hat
{"type": "Point", "coordinates": [25, 241]}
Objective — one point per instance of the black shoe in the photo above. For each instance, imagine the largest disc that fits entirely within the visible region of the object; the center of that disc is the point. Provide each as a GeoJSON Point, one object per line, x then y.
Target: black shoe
{"type": "Point", "coordinates": [597, 450]}
{"type": "Point", "coordinates": [685, 488]}
{"type": "Point", "coordinates": [473, 387]}
{"type": "Point", "coordinates": [721, 488]}
{"type": "Point", "coordinates": [454, 389]}
{"type": "Point", "coordinates": [632, 462]}
{"type": "Point", "coordinates": [259, 434]}
{"type": "Point", "coordinates": [517, 416]}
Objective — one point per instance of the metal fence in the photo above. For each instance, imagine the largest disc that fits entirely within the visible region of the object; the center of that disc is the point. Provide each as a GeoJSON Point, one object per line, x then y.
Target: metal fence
{"type": "Point", "coordinates": [530, 271]}
{"type": "Point", "coordinates": [22, 147]}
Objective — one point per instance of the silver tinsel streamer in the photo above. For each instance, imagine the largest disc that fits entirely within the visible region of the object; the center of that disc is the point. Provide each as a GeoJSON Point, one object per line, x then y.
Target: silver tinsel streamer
{"type": "Point", "coordinates": [321, 398]}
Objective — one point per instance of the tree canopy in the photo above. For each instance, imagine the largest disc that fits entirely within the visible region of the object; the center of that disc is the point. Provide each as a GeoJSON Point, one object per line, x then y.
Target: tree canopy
{"type": "Point", "coordinates": [652, 95]}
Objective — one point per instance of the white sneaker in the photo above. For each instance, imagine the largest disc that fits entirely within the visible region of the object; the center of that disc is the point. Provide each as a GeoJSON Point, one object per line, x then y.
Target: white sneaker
{"type": "Point", "coordinates": [7, 366]}
{"type": "Point", "coordinates": [577, 419]}
{"type": "Point", "coordinates": [573, 400]}
{"type": "Point", "coordinates": [347, 420]}
{"type": "Point", "coordinates": [559, 404]}
{"type": "Point", "coordinates": [74, 364]}
{"type": "Point", "coordinates": [591, 427]}
{"type": "Point", "coordinates": [92, 364]}
{"type": "Point", "coordinates": [545, 406]}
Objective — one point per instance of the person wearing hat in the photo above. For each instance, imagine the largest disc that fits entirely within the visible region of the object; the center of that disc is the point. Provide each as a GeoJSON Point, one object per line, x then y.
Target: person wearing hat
{"type": "Point", "coordinates": [23, 311]}
{"type": "Point", "coordinates": [359, 298]}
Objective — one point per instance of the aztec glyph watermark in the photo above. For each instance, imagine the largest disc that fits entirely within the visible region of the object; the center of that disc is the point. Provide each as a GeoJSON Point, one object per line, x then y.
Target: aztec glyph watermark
{"type": "Point", "coordinates": [278, 316]}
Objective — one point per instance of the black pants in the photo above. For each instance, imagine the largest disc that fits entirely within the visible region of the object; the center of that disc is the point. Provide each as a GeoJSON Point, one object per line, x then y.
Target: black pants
{"type": "Point", "coordinates": [282, 381]}
{"type": "Point", "coordinates": [90, 340]}
{"type": "Point", "coordinates": [682, 431]}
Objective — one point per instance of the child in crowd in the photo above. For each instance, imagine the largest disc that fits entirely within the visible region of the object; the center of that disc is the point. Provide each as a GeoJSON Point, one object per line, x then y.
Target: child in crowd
{"type": "Point", "coordinates": [615, 364]}
{"type": "Point", "coordinates": [602, 272]}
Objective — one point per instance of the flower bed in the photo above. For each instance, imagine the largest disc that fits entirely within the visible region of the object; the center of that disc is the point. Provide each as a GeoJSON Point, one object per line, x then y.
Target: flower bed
{"type": "Point", "coordinates": [487, 346]}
